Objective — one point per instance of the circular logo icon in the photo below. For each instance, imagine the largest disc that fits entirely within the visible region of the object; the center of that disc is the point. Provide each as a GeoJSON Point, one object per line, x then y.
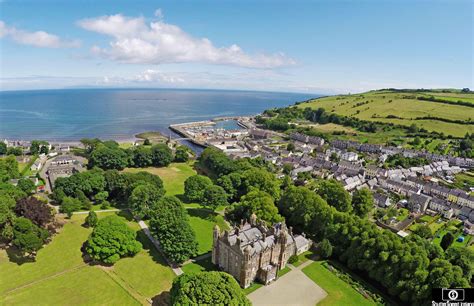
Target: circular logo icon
{"type": "Point", "coordinates": [453, 295]}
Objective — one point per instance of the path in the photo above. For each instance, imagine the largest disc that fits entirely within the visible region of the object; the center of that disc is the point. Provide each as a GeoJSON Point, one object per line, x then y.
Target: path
{"type": "Point", "coordinates": [293, 288]}
{"type": "Point", "coordinates": [156, 243]}
{"type": "Point", "coordinates": [97, 211]}
{"type": "Point", "coordinates": [198, 258]}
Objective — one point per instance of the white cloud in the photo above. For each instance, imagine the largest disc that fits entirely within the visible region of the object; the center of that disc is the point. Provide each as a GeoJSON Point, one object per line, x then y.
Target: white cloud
{"type": "Point", "coordinates": [39, 39]}
{"type": "Point", "coordinates": [135, 41]}
{"type": "Point", "coordinates": [151, 75]}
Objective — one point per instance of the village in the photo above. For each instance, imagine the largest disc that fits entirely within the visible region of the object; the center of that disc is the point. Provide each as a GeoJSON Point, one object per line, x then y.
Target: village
{"type": "Point", "coordinates": [404, 197]}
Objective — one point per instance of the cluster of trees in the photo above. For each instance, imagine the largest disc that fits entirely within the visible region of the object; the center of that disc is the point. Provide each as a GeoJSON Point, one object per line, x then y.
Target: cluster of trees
{"type": "Point", "coordinates": [398, 160]}
{"type": "Point", "coordinates": [139, 191]}
{"type": "Point", "coordinates": [466, 146]}
{"type": "Point", "coordinates": [111, 240]}
{"type": "Point", "coordinates": [207, 288]}
{"type": "Point", "coordinates": [249, 186]}
{"type": "Point", "coordinates": [108, 155]}
{"type": "Point", "coordinates": [24, 220]}
{"type": "Point", "coordinates": [201, 189]}
{"type": "Point", "coordinates": [8, 168]}
{"type": "Point", "coordinates": [445, 101]}
{"type": "Point", "coordinates": [39, 147]}
{"type": "Point", "coordinates": [407, 267]}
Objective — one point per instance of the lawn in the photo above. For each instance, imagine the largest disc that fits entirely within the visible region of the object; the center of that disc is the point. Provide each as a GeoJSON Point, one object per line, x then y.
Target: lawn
{"type": "Point", "coordinates": [199, 266]}
{"type": "Point", "coordinates": [339, 292]}
{"type": "Point", "coordinates": [302, 258]}
{"type": "Point", "coordinates": [376, 105]}
{"type": "Point", "coordinates": [402, 214]}
{"type": "Point", "coordinates": [59, 275]}
{"type": "Point", "coordinates": [173, 176]}
{"type": "Point", "coordinates": [202, 221]}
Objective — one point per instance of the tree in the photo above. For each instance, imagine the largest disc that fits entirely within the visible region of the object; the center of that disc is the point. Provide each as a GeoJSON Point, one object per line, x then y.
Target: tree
{"type": "Point", "coordinates": [44, 149]}
{"type": "Point", "coordinates": [207, 288]}
{"type": "Point", "coordinates": [28, 237]}
{"type": "Point", "coordinates": [216, 161]}
{"type": "Point", "coordinates": [3, 148]}
{"type": "Point", "coordinates": [262, 180]}
{"type": "Point", "coordinates": [101, 197]}
{"type": "Point", "coordinates": [287, 168]}
{"type": "Point", "coordinates": [325, 248]}
{"type": "Point", "coordinates": [170, 225]}
{"type": "Point", "coordinates": [8, 168]}
{"type": "Point", "coordinates": [194, 187]}
{"type": "Point", "coordinates": [231, 184]}
{"type": "Point", "coordinates": [333, 192]}
{"type": "Point", "coordinates": [142, 157]}
{"type": "Point", "coordinates": [35, 210]}
{"type": "Point", "coordinates": [26, 185]}
{"type": "Point", "coordinates": [112, 239]}
{"type": "Point", "coordinates": [108, 158]}
{"type": "Point", "coordinates": [143, 199]}
{"type": "Point", "coordinates": [70, 205]}
{"type": "Point", "coordinates": [182, 154]}
{"type": "Point", "coordinates": [447, 240]}
{"type": "Point", "coordinates": [255, 202]}
{"type": "Point", "coordinates": [91, 219]}
{"type": "Point", "coordinates": [161, 155]}
{"type": "Point", "coordinates": [214, 196]}
{"type": "Point", "coordinates": [423, 231]}
{"type": "Point", "coordinates": [16, 151]}
{"type": "Point", "coordinates": [362, 202]}
{"type": "Point", "coordinates": [290, 147]}
{"type": "Point", "coordinates": [147, 142]}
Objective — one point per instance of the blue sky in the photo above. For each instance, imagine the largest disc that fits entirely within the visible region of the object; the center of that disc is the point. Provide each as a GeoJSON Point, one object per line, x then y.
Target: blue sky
{"type": "Point", "coordinates": [299, 46]}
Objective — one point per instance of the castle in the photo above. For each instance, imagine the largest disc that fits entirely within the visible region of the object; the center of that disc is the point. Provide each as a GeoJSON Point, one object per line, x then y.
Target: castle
{"type": "Point", "coordinates": [252, 251]}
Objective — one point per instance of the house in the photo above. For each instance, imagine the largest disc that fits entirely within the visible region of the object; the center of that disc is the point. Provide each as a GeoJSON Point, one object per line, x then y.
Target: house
{"type": "Point", "coordinates": [253, 252]}
{"type": "Point", "coordinates": [63, 160]}
{"type": "Point", "coordinates": [382, 200]}
{"type": "Point", "coordinates": [37, 165]}
{"type": "Point", "coordinates": [258, 134]}
{"type": "Point", "coordinates": [418, 203]}
{"type": "Point", "coordinates": [349, 156]}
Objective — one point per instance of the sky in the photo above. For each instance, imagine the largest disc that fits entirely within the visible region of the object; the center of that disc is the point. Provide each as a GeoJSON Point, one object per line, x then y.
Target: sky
{"type": "Point", "coordinates": [290, 46]}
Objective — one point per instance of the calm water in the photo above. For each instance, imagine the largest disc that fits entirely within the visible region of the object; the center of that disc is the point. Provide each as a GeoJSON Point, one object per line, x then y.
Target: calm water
{"type": "Point", "coordinates": [72, 114]}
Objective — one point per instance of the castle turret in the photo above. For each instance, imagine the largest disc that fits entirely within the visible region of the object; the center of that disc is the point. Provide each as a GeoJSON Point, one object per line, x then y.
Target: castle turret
{"type": "Point", "coordinates": [215, 244]}
{"type": "Point", "coordinates": [246, 266]}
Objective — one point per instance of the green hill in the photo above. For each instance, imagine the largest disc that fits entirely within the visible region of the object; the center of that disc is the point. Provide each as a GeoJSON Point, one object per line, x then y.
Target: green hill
{"type": "Point", "coordinates": [448, 111]}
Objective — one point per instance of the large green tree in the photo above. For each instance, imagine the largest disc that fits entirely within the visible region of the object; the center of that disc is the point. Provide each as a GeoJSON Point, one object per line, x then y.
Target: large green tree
{"type": "Point", "coordinates": [333, 193]}
{"type": "Point", "coordinates": [162, 156]}
{"type": "Point", "coordinates": [362, 202]}
{"type": "Point", "coordinates": [194, 187]}
{"type": "Point", "coordinates": [143, 199]}
{"type": "Point", "coordinates": [107, 157]}
{"type": "Point", "coordinates": [28, 237]}
{"type": "Point", "coordinates": [214, 196]}
{"type": "Point", "coordinates": [255, 202]}
{"type": "Point", "coordinates": [170, 225]}
{"type": "Point", "coordinates": [112, 239]}
{"type": "Point", "coordinates": [207, 288]}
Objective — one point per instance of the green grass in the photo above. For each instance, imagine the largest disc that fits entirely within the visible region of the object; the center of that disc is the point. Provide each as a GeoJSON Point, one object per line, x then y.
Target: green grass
{"type": "Point", "coordinates": [59, 275]}
{"type": "Point", "coordinates": [284, 271]}
{"type": "Point", "coordinates": [252, 288]}
{"type": "Point", "coordinates": [199, 266]}
{"type": "Point", "coordinates": [339, 292]}
{"type": "Point", "coordinates": [381, 104]}
{"type": "Point", "coordinates": [202, 221]}
{"type": "Point", "coordinates": [85, 286]}
{"type": "Point", "coordinates": [302, 258]}
{"type": "Point", "coordinates": [173, 176]}
{"type": "Point", "coordinates": [402, 214]}
{"type": "Point", "coordinates": [436, 226]}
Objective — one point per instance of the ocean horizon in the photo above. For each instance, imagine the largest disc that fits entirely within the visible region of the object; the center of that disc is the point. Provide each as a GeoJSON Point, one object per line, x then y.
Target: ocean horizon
{"type": "Point", "coordinates": [120, 113]}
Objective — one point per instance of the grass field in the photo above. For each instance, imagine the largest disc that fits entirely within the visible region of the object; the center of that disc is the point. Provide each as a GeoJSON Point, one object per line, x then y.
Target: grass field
{"type": "Point", "coordinates": [376, 105]}
{"type": "Point", "coordinates": [202, 221]}
{"type": "Point", "coordinates": [59, 275]}
{"type": "Point", "coordinates": [302, 258]}
{"type": "Point", "coordinates": [339, 292]}
{"type": "Point", "coordinates": [200, 266]}
{"type": "Point", "coordinates": [173, 176]}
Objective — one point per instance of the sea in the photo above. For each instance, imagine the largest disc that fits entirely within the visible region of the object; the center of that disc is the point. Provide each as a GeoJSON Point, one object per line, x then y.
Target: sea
{"type": "Point", "coordinates": [71, 114]}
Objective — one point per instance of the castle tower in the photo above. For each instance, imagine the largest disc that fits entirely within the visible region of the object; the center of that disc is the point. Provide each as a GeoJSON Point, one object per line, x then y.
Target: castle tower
{"type": "Point", "coordinates": [282, 239]}
{"type": "Point", "coordinates": [246, 266]}
{"type": "Point", "coordinates": [215, 244]}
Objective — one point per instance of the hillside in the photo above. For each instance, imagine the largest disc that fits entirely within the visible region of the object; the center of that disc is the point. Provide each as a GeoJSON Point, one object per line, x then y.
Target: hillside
{"type": "Point", "coordinates": [450, 112]}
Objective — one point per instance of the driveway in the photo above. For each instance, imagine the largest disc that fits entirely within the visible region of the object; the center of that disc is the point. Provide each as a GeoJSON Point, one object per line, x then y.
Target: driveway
{"type": "Point", "coordinates": [293, 288]}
